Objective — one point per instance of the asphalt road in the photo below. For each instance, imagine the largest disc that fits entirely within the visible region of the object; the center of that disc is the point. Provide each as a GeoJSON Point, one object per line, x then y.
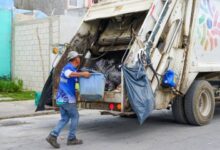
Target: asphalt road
{"type": "Point", "coordinates": [159, 132]}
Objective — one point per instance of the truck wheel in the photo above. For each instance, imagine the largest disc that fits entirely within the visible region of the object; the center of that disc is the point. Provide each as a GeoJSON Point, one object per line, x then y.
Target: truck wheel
{"type": "Point", "coordinates": [199, 103]}
{"type": "Point", "coordinates": [178, 110]}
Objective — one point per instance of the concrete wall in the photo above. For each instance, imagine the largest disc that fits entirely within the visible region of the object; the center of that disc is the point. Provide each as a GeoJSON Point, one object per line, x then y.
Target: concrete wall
{"type": "Point", "coordinates": [32, 47]}
{"type": "Point", "coordinates": [5, 42]}
{"type": "Point", "coordinates": [5, 37]}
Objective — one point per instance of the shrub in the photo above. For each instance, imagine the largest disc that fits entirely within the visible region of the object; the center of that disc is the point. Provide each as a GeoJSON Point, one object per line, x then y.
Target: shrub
{"type": "Point", "coordinates": [11, 85]}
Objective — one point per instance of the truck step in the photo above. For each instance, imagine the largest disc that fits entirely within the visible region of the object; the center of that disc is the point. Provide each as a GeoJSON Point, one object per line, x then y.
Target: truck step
{"type": "Point", "coordinates": [117, 113]}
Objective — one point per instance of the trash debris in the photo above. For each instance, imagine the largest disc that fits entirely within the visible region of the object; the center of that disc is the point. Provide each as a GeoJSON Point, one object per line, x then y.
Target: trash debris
{"type": "Point", "coordinates": [112, 71]}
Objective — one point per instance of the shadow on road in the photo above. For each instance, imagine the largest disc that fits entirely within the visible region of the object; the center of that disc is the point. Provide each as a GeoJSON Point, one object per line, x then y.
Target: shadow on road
{"type": "Point", "coordinates": [117, 126]}
{"type": "Point", "coordinates": [217, 110]}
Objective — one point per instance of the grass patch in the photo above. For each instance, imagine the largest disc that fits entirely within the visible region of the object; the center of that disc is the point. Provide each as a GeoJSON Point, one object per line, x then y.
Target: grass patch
{"type": "Point", "coordinates": [7, 85]}
{"type": "Point", "coordinates": [19, 96]}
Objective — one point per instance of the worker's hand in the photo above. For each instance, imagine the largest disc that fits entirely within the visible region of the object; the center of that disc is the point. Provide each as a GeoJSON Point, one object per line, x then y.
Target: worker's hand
{"type": "Point", "coordinates": [86, 74]}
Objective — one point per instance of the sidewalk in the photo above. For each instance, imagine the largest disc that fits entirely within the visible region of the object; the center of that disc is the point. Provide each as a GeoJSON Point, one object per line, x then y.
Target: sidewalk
{"type": "Point", "coordinates": [20, 109]}
{"type": "Point", "coordinates": [5, 98]}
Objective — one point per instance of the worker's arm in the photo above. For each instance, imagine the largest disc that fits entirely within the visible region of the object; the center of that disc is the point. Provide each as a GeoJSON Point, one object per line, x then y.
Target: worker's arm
{"type": "Point", "coordinates": [80, 74]}
{"type": "Point", "coordinates": [69, 74]}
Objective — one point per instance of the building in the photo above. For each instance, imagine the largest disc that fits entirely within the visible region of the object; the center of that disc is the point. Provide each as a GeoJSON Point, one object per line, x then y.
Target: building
{"type": "Point", "coordinates": [5, 38]}
{"type": "Point", "coordinates": [55, 7]}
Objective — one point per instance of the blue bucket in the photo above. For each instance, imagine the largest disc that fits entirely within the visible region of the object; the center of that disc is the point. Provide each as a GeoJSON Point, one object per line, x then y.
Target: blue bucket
{"type": "Point", "coordinates": [92, 88]}
{"type": "Point", "coordinates": [37, 98]}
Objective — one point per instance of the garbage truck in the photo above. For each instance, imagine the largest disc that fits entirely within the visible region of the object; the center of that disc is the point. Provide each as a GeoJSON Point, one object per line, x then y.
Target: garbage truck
{"type": "Point", "coordinates": [177, 43]}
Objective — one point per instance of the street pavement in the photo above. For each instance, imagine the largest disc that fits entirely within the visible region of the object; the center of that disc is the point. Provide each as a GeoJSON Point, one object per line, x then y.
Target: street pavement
{"type": "Point", "coordinates": [159, 132]}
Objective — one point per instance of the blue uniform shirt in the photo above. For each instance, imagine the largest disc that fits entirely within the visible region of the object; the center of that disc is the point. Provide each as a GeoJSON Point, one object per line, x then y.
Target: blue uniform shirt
{"type": "Point", "coordinates": [66, 92]}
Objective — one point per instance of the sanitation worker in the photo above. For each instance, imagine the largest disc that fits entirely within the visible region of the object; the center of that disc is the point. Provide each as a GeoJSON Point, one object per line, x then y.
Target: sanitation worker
{"type": "Point", "coordinates": [66, 100]}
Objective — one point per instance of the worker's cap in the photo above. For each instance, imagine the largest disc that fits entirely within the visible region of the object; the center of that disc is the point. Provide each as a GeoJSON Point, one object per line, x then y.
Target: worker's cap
{"type": "Point", "coordinates": [72, 55]}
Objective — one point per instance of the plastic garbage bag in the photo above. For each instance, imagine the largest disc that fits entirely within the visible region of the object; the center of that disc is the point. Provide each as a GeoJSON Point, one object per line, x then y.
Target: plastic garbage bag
{"type": "Point", "coordinates": [139, 91]}
{"type": "Point", "coordinates": [109, 86]}
{"type": "Point", "coordinates": [88, 70]}
{"type": "Point", "coordinates": [101, 65]}
{"type": "Point", "coordinates": [115, 77]}
{"type": "Point", "coordinates": [112, 72]}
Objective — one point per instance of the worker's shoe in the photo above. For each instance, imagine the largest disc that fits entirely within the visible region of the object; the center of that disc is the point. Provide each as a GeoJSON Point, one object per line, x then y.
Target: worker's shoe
{"type": "Point", "coordinates": [52, 140]}
{"type": "Point", "coordinates": [74, 142]}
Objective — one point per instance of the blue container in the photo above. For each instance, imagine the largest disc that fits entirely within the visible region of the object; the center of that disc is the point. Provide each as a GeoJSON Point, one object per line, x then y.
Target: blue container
{"type": "Point", "coordinates": [92, 89]}
{"type": "Point", "coordinates": [169, 79]}
{"type": "Point", "coordinates": [37, 98]}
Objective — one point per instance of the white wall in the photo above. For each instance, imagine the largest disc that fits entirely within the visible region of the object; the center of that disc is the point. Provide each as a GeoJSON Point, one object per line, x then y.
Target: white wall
{"type": "Point", "coordinates": [32, 48]}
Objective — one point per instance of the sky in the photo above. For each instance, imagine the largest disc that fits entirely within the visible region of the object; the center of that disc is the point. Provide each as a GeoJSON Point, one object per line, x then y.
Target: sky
{"type": "Point", "coordinates": [6, 4]}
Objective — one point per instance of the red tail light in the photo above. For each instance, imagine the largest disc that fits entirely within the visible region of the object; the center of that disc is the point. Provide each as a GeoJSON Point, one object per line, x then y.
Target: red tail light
{"type": "Point", "coordinates": [111, 106]}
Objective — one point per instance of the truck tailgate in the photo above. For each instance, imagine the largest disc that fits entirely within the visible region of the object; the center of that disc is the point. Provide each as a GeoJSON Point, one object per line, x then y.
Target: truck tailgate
{"type": "Point", "coordinates": [115, 8]}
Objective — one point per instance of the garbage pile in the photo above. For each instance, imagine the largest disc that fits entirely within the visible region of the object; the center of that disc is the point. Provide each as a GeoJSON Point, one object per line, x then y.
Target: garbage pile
{"type": "Point", "coordinates": [112, 71]}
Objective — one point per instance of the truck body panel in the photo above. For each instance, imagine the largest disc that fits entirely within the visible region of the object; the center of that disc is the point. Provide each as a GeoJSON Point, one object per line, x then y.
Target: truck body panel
{"type": "Point", "coordinates": [202, 54]}
{"type": "Point", "coordinates": [115, 8]}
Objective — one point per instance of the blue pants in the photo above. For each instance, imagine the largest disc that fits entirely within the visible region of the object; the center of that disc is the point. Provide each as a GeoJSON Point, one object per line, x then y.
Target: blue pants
{"type": "Point", "coordinates": [68, 112]}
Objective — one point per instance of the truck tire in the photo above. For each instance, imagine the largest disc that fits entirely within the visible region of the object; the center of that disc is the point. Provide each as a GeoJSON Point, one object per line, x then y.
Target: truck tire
{"type": "Point", "coordinates": [199, 103]}
{"type": "Point", "coordinates": [178, 110]}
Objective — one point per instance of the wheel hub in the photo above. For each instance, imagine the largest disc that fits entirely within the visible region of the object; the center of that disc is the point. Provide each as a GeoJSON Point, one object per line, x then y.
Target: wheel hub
{"type": "Point", "coordinates": [204, 103]}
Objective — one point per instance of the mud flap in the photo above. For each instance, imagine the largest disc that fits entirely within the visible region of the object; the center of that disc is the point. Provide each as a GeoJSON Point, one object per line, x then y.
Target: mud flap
{"type": "Point", "coordinates": [139, 91]}
{"type": "Point", "coordinates": [46, 96]}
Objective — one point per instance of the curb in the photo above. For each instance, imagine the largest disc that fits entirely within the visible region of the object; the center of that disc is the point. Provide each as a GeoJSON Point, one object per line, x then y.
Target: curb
{"type": "Point", "coordinates": [15, 100]}
{"type": "Point", "coordinates": [30, 115]}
